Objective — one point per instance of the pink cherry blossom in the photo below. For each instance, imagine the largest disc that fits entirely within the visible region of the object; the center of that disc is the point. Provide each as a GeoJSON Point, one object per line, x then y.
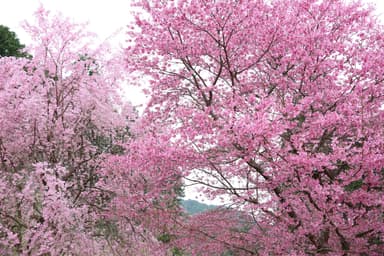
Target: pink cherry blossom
{"type": "Point", "coordinates": [278, 106]}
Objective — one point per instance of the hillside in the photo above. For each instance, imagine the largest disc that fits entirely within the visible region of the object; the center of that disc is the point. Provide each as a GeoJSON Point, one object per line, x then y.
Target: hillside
{"type": "Point", "coordinates": [192, 206]}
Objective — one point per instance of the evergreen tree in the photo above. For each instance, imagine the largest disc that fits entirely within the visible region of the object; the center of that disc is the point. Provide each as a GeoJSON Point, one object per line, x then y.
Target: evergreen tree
{"type": "Point", "coordinates": [10, 44]}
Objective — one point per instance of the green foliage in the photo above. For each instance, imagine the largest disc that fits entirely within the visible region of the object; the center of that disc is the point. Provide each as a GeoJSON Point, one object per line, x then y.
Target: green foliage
{"type": "Point", "coordinates": [342, 166]}
{"type": "Point", "coordinates": [107, 143]}
{"type": "Point", "coordinates": [10, 44]}
{"type": "Point", "coordinates": [89, 63]}
{"type": "Point", "coordinates": [375, 240]}
{"type": "Point", "coordinates": [107, 229]}
{"type": "Point", "coordinates": [176, 252]}
{"type": "Point", "coordinates": [228, 253]}
{"type": "Point", "coordinates": [354, 185]}
{"type": "Point", "coordinates": [165, 238]}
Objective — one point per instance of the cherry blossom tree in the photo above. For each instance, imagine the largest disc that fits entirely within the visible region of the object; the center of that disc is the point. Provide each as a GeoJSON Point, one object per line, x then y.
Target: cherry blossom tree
{"type": "Point", "coordinates": [145, 187]}
{"type": "Point", "coordinates": [61, 117]}
{"type": "Point", "coordinates": [277, 105]}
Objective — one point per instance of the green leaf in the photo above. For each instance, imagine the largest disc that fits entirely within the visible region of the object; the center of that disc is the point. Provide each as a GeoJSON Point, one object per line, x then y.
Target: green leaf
{"type": "Point", "coordinates": [165, 238]}
{"type": "Point", "coordinates": [354, 185]}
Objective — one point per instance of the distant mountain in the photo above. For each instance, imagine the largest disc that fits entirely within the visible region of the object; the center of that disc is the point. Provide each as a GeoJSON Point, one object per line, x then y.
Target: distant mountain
{"type": "Point", "coordinates": [192, 206]}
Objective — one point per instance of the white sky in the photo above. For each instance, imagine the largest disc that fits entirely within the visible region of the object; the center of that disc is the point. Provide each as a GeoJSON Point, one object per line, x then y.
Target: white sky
{"type": "Point", "coordinates": [104, 17]}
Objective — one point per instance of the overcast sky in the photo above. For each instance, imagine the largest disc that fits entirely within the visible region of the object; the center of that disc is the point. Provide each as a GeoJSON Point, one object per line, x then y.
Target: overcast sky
{"type": "Point", "coordinates": [104, 17]}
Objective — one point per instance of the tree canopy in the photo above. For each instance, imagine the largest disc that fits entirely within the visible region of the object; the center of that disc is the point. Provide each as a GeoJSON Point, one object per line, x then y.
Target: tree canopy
{"type": "Point", "coordinates": [10, 44]}
{"type": "Point", "coordinates": [273, 106]}
{"type": "Point", "coordinates": [277, 105]}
